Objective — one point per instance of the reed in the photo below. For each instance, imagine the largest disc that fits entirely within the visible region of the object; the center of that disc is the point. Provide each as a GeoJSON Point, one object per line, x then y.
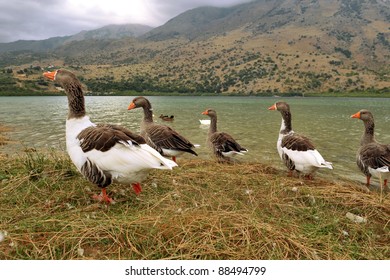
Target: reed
{"type": "Point", "coordinates": [200, 210]}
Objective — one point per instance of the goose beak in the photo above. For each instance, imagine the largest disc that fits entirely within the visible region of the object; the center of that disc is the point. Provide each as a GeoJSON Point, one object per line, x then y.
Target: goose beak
{"type": "Point", "coordinates": [273, 107]}
{"type": "Point", "coordinates": [50, 75]}
{"type": "Point", "coordinates": [205, 113]}
{"type": "Point", "coordinates": [131, 106]}
{"type": "Point", "coordinates": [356, 116]}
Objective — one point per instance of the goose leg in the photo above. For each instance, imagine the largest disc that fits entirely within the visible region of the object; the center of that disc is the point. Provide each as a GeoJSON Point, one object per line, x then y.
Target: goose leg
{"type": "Point", "coordinates": [174, 159]}
{"type": "Point", "coordinates": [309, 177]}
{"type": "Point", "coordinates": [137, 188]}
{"type": "Point", "coordinates": [368, 181]}
{"type": "Point", "coordinates": [103, 197]}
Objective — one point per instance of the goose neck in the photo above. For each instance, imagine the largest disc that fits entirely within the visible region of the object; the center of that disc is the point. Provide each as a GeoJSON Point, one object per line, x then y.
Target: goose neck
{"type": "Point", "coordinates": [76, 102]}
{"type": "Point", "coordinates": [213, 124]}
{"type": "Point", "coordinates": [286, 126]}
{"type": "Point", "coordinates": [148, 114]}
{"type": "Point", "coordinates": [368, 135]}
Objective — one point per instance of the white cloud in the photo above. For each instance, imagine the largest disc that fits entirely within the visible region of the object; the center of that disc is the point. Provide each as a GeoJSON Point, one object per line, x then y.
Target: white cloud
{"type": "Point", "coordinates": [41, 19]}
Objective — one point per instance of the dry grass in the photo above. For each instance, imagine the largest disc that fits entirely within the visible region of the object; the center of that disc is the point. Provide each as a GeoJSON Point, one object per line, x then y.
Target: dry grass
{"type": "Point", "coordinates": [3, 138]}
{"type": "Point", "coordinates": [201, 210]}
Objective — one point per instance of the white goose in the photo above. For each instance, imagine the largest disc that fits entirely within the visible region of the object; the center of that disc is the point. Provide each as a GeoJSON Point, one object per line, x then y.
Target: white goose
{"type": "Point", "coordinates": [104, 153]}
{"type": "Point", "coordinates": [297, 151]}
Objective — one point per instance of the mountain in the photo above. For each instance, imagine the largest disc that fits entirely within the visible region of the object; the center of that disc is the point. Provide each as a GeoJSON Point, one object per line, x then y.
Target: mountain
{"type": "Point", "coordinates": [272, 46]}
{"type": "Point", "coordinates": [112, 32]}
{"type": "Point", "coordinates": [33, 45]}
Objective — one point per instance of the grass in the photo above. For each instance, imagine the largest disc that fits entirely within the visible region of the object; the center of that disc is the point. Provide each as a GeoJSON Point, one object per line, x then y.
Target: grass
{"type": "Point", "coordinates": [200, 210]}
{"type": "Point", "coordinates": [3, 138]}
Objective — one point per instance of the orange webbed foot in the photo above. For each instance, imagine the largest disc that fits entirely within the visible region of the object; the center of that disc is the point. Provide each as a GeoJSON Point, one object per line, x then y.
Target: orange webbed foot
{"type": "Point", "coordinates": [137, 188]}
{"type": "Point", "coordinates": [103, 197]}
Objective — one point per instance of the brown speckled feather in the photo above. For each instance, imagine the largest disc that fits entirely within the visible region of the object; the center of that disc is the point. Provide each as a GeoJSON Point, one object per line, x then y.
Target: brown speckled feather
{"type": "Point", "coordinates": [160, 136]}
{"type": "Point", "coordinates": [223, 143]}
{"type": "Point", "coordinates": [104, 136]}
{"type": "Point", "coordinates": [373, 155]}
{"type": "Point", "coordinates": [164, 137]}
{"type": "Point", "coordinates": [296, 142]}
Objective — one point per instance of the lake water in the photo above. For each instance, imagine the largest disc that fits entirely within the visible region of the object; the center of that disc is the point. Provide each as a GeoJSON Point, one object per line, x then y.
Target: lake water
{"type": "Point", "coordinates": [40, 122]}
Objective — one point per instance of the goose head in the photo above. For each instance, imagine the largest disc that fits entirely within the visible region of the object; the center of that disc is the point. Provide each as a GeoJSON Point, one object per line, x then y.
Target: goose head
{"type": "Point", "coordinates": [364, 115]}
{"type": "Point", "coordinates": [140, 102]}
{"type": "Point", "coordinates": [61, 76]}
{"type": "Point", "coordinates": [280, 106]}
{"type": "Point", "coordinates": [210, 112]}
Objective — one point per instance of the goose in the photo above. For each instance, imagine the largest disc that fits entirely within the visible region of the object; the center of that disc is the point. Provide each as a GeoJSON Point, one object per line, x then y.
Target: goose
{"type": "Point", "coordinates": [167, 118]}
{"type": "Point", "coordinates": [297, 151]}
{"type": "Point", "coordinates": [205, 122]}
{"type": "Point", "coordinates": [372, 158]}
{"type": "Point", "coordinates": [104, 153]}
{"type": "Point", "coordinates": [161, 137]}
{"type": "Point", "coordinates": [223, 146]}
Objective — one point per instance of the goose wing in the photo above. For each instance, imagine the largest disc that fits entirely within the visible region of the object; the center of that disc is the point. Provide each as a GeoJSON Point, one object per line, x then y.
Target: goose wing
{"type": "Point", "coordinates": [163, 137]}
{"type": "Point", "coordinates": [103, 137]}
{"type": "Point", "coordinates": [375, 155]}
{"type": "Point", "coordinates": [298, 150]}
{"type": "Point", "coordinates": [224, 143]}
{"type": "Point", "coordinates": [296, 142]}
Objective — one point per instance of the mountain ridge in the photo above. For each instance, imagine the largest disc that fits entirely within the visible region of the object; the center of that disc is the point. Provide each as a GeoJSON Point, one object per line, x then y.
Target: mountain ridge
{"type": "Point", "coordinates": [112, 31]}
{"type": "Point", "coordinates": [273, 46]}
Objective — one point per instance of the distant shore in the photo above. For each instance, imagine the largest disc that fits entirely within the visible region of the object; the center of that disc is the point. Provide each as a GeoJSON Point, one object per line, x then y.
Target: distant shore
{"type": "Point", "coordinates": [360, 94]}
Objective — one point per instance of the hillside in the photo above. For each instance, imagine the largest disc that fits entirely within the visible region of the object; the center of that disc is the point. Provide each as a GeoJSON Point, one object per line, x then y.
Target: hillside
{"type": "Point", "coordinates": [113, 32]}
{"type": "Point", "coordinates": [262, 47]}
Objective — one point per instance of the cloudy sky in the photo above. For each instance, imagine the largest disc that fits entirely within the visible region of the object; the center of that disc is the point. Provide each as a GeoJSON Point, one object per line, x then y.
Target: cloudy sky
{"type": "Point", "coordinates": [41, 19]}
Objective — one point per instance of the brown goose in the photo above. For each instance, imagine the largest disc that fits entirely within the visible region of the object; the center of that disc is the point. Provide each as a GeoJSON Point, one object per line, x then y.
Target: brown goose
{"type": "Point", "coordinates": [167, 118]}
{"type": "Point", "coordinates": [104, 153]}
{"type": "Point", "coordinates": [223, 146]}
{"type": "Point", "coordinates": [161, 137]}
{"type": "Point", "coordinates": [296, 151]}
{"type": "Point", "coordinates": [372, 157]}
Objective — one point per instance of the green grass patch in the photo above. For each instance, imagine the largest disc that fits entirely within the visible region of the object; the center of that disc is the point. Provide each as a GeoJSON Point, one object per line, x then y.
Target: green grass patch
{"type": "Point", "coordinates": [200, 210]}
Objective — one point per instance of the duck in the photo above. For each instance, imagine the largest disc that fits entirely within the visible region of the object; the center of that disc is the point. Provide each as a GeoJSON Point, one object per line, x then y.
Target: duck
{"type": "Point", "coordinates": [104, 153]}
{"type": "Point", "coordinates": [373, 158]}
{"type": "Point", "coordinates": [163, 138]}
{"type": "Point", "coordinates": [223, 146]}
{"type": "Point", "coordinates": [297, 151]}
{"type": "Point", "coordinates": [167, 118]}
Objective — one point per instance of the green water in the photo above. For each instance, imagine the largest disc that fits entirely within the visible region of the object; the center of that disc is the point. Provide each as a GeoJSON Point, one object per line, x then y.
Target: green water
{"type": "Point", "coordinates": [40, 122]}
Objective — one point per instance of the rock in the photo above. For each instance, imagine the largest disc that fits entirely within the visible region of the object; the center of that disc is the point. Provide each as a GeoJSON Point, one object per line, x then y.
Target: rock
{"type": "Point", "coordinates": [355, 218]}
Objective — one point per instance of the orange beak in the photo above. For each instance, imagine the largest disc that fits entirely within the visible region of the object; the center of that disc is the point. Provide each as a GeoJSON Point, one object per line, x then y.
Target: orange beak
{"type": "Point", "coordinates": [50, 75]}
{"type": "Point", "coordinates": [356, 116]}
{"type": "Point", "coordinates": [205, 113]}
{"type": "Point", "coordinates": [131, 106]}
{"type": "Point", "coordinates": [273, 107]}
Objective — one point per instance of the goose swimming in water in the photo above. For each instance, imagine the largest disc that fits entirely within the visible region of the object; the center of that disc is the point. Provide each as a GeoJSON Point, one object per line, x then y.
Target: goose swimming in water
{"type": "Point", "coordinates": [167, 118]}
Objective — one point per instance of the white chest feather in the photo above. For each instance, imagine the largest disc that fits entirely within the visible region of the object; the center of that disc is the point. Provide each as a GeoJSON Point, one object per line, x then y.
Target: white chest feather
{"type": "Point", "coordinates": [73, 129]}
